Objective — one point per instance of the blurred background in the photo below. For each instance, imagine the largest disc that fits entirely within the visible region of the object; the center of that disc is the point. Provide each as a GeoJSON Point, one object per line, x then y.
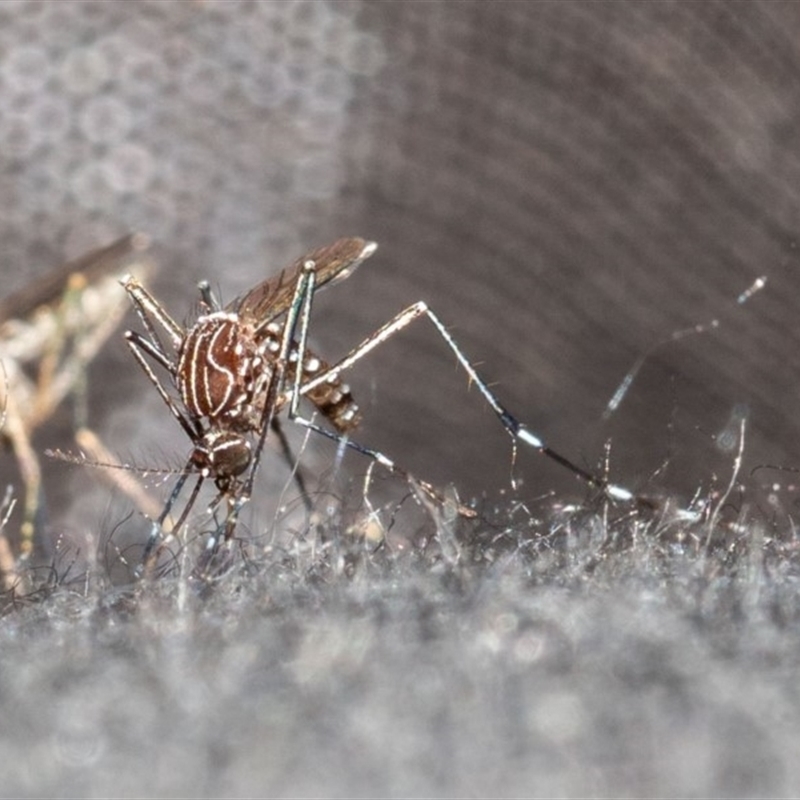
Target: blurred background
{"type": "Point", "coordinates": [566, 184]}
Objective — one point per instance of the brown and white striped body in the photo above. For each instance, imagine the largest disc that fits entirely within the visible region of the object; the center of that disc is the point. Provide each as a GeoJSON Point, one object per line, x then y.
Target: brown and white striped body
{"type": "Point", "coordinates": [216, 370]}
{"type": "Point", "coordinates": [237, 367]}
{"type": "Point", "coordinates": [223, 372]}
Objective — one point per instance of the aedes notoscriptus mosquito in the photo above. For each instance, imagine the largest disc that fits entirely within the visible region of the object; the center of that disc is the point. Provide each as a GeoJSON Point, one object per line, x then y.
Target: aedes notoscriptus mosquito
{"type": "Point", "coordinates": [238, 366]}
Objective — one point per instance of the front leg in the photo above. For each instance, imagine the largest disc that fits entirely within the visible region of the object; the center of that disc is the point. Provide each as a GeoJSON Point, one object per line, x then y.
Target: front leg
{"type": "Point", "coordinates": [148, 307]}
{"type": "Point", "coordinates": [140, 347]}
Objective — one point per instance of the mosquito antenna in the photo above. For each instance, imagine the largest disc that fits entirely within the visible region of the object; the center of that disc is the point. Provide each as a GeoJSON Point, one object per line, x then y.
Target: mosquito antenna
{"type": "Point", "coordinates": [81, 459]}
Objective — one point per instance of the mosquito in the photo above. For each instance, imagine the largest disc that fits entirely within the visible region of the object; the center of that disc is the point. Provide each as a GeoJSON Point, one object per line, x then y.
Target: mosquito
{"type": "Point", "coordinates": [49, 331]}
{"type": "Point", "coordinates": [238, 366]}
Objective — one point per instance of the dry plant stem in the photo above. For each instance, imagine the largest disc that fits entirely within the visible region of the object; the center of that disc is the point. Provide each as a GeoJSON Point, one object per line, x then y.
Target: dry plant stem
{"type": "Point", "coordinates": [8, 565]}
{"type": "Point", "coordinates": [57, 324]}
{"type": "Point", "coordinates": [18, 434]}
{"type": "Point", "coordinates": [55, 384]}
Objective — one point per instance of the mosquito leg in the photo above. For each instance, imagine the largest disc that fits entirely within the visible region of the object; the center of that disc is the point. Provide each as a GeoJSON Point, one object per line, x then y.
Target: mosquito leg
{"type": "Point", "coordinates": [290, 459]}
{"type": "Point", "coordinates": [147, 308]}
{"type": "Point", "coordinates": [304, 289]}
{"type": "Point", "coordinates": [381, 459]}
{"type": "Point", "coordinates": [515, 428]}
{"type": "Point", "coordinates": [156, 527]}
{"type": "Point", "coordinates": [299, 389]}
{"type": "Point", "coordinates": [152, 350]}
{"type": "Point", "coordinates": [301, 306]}
{"type": "Point", "coordinates": [139, 346]}
{"type": "Point", "coordinates": [208, 298]}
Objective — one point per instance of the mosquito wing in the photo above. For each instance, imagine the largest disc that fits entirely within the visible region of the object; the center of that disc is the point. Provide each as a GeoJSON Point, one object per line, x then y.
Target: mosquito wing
{"type": "Point", "coordinates": [334, 263]}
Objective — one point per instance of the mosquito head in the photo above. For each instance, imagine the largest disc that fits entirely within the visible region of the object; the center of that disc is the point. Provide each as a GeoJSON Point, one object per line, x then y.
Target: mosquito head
{"type": "Point", "coordinates": [222, 455]}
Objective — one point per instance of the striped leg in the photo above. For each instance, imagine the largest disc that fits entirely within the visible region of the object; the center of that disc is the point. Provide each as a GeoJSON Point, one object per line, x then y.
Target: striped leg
{"type": "Point", "coordinates": [517, 430]}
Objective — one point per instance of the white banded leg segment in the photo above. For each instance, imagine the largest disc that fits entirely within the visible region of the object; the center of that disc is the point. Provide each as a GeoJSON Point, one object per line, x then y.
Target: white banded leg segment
{"type": "Point", "coordinates": [146, 346]}
{"type": "Point", "coordinates": [381, 459]}
{"type": "Point", "coordinates": [611, 490]}
{"type": "Point", "coordinates": [524, 435]}
{"type": "Point", "coordinates": [508, 421]}
{"type": "Point", "coordinates": [300, 314]}
{"type": "Point", "coordinates": [619, 493]}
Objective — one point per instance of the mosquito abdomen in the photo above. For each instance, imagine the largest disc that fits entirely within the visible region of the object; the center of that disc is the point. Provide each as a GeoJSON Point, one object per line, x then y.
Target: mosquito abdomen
{"type": "Point", "coordinates": [333, 398]}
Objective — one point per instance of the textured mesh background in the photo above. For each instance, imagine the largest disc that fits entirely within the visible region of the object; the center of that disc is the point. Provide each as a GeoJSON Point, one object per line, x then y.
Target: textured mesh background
{"type": "Point", "coordinates": [566, 184]}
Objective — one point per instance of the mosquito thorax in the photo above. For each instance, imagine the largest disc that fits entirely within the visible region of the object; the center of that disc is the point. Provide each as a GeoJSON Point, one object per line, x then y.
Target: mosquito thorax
{"type": "Point", "coordinates": [222, 455]}
{"type": "Point", "coordinates": [215, 366]}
